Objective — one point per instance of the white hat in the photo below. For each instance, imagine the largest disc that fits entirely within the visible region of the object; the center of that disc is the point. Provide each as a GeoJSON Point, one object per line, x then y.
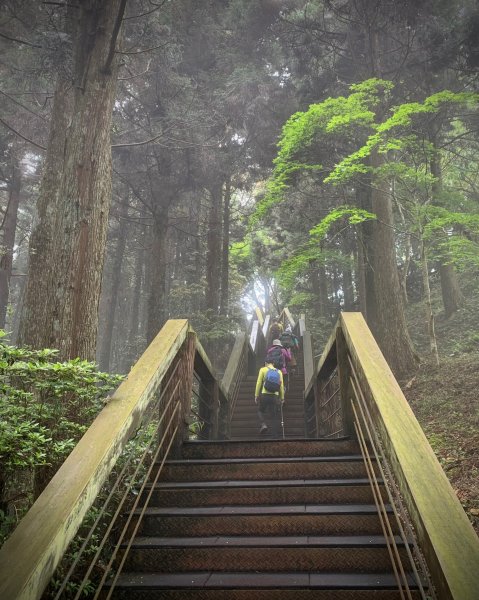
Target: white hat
{"type": "Point", "coordinates": [277, 343]}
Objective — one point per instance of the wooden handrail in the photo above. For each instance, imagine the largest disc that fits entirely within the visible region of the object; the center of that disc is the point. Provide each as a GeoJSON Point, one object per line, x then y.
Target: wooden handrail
{"type": "Point", "coordinates": [444, 533]}
{"type": "Point", "coordinates": [241, 346]}
{"type": "Point", "coordinates": [29, 557]}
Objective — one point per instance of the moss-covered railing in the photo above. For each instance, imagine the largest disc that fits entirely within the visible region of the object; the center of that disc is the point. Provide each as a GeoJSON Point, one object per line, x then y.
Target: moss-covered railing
{"type": "Point", "coordinates": [163, 378]}
{"type": "Point", "coordinates": [352, 378]}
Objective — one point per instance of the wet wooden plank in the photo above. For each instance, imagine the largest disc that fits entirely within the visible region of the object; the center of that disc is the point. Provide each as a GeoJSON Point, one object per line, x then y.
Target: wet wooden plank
{"type": "Point", "coordinates": [444, 531]}
{"type": "Point", "coordinates": [29, 557]}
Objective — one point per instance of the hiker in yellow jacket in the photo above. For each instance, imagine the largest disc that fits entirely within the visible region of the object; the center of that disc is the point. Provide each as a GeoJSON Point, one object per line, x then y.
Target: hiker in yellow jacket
{"type": "Point", "coordinates": [269, 395]}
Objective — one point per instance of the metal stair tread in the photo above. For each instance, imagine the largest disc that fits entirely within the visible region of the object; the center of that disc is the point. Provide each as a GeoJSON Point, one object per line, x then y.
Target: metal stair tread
{"type": "Point", "coordinates": [301, 440]}
{"type": "Point", "coordinates": [264, 459]}
{"type": "Point", "coordinates": [261, 510]}
{"type": "Point", "coordinates": [271, 580]}
{"type": "Point", "coordinates": [263, 483]}
{"type": "Point", "coordinates": [332, 541]}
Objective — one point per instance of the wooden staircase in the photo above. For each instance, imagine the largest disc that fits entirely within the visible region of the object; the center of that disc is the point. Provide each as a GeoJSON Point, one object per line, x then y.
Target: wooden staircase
{"type": "Point", "coordinates": [245, 423]}
{"type": "Point", "coordinates": [262, 519]}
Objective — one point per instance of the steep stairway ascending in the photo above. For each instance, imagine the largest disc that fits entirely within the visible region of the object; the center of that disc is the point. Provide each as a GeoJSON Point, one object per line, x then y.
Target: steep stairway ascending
{"type": "Point", "coordinates": [245, 423]}
{"type": "Point", "coordinates": [265, 519]}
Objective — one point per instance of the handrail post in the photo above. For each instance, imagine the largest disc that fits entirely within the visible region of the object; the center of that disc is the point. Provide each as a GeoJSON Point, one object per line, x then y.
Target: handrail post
{"type": "Point", "coordinates": [187, 358]}
{"type": "Point", "coordinates": [215, 408]}
{"type": "Point", "coordinates": [308, 359]}
{"type": "Point", "coordinates": [345, 388]}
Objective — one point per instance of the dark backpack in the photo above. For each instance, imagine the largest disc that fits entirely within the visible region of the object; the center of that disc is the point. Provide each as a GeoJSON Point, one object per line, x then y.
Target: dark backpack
{"type": "Point", "coordinates": [286, 339]}
{"type": "Point", "coordinates": [275, 357]}
{"type": "Point", "coordinates": [272, 381]}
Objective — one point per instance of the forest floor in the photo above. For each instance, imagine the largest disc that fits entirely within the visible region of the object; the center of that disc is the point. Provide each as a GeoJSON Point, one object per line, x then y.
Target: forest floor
{"type": "Point", "coordinates": [445, 398]}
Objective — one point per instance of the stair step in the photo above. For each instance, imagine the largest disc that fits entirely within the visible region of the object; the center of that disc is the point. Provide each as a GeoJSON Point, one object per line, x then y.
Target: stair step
{"type": "Point", "coordinates": [253, 580]}
{"type": "Point", "coordinates": [265, 520]}
{"type": "Point", "coordinates": [343, 491]}
{"type": "Point", "coordinates": [302, 468]}
{"type": "Point", "coordinates": [146, 554]}
{"type": "Point", "coordinates": [331, 541]}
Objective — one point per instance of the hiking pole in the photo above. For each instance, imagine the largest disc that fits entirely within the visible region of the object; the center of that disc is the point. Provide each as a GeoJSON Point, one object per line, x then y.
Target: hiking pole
{"type": "Point", "coordinates": [282, 419]}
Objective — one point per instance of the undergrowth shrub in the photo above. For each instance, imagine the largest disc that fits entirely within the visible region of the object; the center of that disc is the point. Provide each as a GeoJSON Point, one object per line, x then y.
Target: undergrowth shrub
{"type": "Point", "coordinates": [45, 407]}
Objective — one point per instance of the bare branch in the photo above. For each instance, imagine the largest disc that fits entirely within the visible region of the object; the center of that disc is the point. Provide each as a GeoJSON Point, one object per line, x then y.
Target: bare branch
{"type": "Point", "coordinates": [157, 7]}
{"type": "Point", "coordinates": [22, 136]}
{"type": "Point", "coordinates": [114, 36]}
{"type": "Point", "coordinates": [12, 39]}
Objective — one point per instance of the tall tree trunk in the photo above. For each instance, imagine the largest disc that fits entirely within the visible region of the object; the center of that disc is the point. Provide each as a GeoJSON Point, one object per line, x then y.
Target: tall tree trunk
{"type": "Point", "coordinates": [8, 240]}
{"type": "Point", "coordinates": [225, 267]}
{"type": "Point", "coordinates": [390, 326]}
{"type": "Point", "coordinates": [348, 288]}
{"type": "Point", "coordinates": [367, 296]}
{"type": "Point", "coordinates": [82, 192]}
{"type": "Point", "coordinates": [105, 349]}
{"type": "Point", "coordinates": [213, 261]}
{"type": "Point", "coordinates": [452, 297]}
{"type": "Point", "coordinates": [429, 312]}
{"type": "Point", "coordinates": [158, 258]}
{"type": "Point", "coordinates": [265, 282]}
{"type": "Point", "coordinates": [320, 289]}
{"type": "Point", "coordinates": [134, 322]}
{"type": "Point", "coordinates": [35, 329]}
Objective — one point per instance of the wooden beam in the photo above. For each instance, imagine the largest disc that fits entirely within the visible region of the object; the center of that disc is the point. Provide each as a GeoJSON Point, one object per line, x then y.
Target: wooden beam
{"type": "Point", "coordinates": [266, 325]}
{"type": "Point", "coordinates": [289, 316]}
{"type": "Point", "coordinates": [446, 536]}
{"type": "Point", "coordinates": [205, 369]}
{"type": "Point", "coordinates": [308, 362]}
{"type": "Point", "coordinates": [259, 315]}
{"type": "Point", "coordinates": [29, 557]}
{"type": "Point", "coordinates": [253, 338]}
{"type": "Point", "coordinates": [233, 362]}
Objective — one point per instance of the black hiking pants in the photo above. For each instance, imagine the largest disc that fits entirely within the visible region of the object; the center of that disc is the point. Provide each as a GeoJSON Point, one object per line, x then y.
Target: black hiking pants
{"type": "Point", "coordinates": [270, 405]}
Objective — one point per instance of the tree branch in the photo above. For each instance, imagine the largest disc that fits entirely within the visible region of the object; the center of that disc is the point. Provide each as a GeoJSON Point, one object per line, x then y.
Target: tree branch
{"type": "Point", "coordinates": [21, 136]}
{"type": "Point", "coordinates": [114, 36]}
{"type": "Point", "coordinates": [12, 39]}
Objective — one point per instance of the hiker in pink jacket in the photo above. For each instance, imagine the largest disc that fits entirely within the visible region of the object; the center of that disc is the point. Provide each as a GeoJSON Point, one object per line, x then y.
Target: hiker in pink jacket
{"type": "Point", "coordinates": [280, 357]}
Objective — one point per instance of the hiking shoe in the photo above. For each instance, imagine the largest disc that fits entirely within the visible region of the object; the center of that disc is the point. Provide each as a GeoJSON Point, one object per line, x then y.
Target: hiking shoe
{"type": "Point", "coordinates": [263, 428]}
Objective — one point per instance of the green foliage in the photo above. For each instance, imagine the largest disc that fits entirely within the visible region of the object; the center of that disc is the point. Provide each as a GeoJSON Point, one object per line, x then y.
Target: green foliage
{"type": "Point", "coordinates": [311, 252]}
{"type": "Point", "coordinates": [402, 118]}
{"type": "Point", "coordinates": [301, 130]}
{"type": "Point", "coordinates": [45, 407]}
{"type": "Point", "coordinates": [355, 216]}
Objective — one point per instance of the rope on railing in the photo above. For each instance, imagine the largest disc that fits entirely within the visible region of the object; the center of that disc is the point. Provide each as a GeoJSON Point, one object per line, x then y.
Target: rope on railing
{"type": "Point", "coordinates": [330, 407]}
{"type": "Point", "coordinates": [240, 375]}
{"type": "Point", "coordinates": [134, 507]}
{"type": "Point", "coordinates": [132, 455]}
{"type": "Point", "coordinates": [365, 429]}
{"type": "Point", "coordinates": [204, 399]}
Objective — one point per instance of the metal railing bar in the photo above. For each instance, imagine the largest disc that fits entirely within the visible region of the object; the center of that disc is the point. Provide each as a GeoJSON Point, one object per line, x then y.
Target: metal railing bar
{"type": "Point", "coordinates": [200, 382]}
{"type": "Point", "coordinates": [125, 495]}
{"type": "Point", "coordinates": [333, 433]}
{"type": "Point", "coordinates": [333, 395]}
{"type": "Point", "coordinates": [78, 556]}
{"type": "Point", "coordinates": [401, 579]}
{"type": "Point", "coordinates": [202, 419]}
{"type": "Point", "coordinates": [103, 508]}
{"type": "Point", "coordinates": [135, 504]}
{"type": "Point", "coordinates": [328, 380]}
{"type": "Point", "coordinates": [370, 430]}
{"type": "Point", "coordinates": [240, 373]}
{"type": "Point", "coordinates": [201, 399]}
{"type": "Point", "coordinates": [140, 517]}
{"type": "Point", "coordinates": [330, 416]}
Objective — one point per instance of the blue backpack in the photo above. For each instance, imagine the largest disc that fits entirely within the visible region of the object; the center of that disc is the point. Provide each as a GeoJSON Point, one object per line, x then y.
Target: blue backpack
{"type": "Point", "coordinates": [272, 381]}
